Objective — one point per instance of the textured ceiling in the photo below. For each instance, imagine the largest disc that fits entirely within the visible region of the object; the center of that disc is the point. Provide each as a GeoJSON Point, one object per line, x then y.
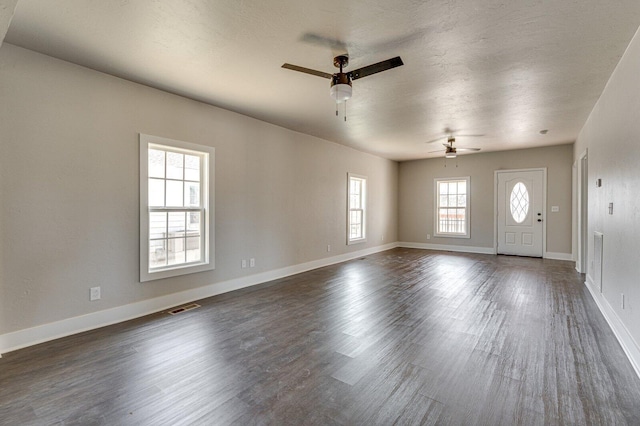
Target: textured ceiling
{"type": "Point", "coordinates": [504, 69]}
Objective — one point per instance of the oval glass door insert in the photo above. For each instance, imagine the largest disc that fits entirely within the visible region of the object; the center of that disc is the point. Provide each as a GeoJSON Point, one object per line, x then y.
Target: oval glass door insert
{"type": "Point", "coordinates": [519, 202]}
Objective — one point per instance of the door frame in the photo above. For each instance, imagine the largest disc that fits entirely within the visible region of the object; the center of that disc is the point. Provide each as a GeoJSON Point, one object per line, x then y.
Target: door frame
{"type": "Point", "coordinates": [582, 191]}
{"type": "Point", "coordinates": [544, 205]}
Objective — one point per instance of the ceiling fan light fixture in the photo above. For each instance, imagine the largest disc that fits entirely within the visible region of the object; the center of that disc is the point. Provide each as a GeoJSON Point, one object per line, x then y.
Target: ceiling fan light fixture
{"type": "Point", "coordinates": [451, 151]}
{"type": "Point", "coordinates": [341, 92]}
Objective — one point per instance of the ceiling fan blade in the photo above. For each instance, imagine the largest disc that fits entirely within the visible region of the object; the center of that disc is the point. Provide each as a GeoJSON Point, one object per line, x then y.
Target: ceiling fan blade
{"type": "Point", "coordinates": [307, 71]}
{"type": "Point", "coordinates": [376, 68]}
{"type": "Point", "coordinates": [431, 152]}
{"type": "Point", "coordinates": [469, 136]}
{"type": "Point", "coordinates": [440, 139]}
{"type": "Point", "coordinates": [468, 149]}
{"type": "Point", "coordinates": [320, 40]}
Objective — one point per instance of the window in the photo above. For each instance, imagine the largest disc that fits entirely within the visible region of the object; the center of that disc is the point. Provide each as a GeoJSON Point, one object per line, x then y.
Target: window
{"type": "Point", "coordinates": [356, 215]}
{"type": "Point", "coordinates": [519, 202]}
{"type": "Point", "coordinates": [452, 207]}
{"type": "Point", "coordinates": [176, 215]}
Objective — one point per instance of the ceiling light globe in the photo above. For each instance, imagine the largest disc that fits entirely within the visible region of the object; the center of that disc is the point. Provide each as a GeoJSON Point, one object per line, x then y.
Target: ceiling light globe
{"type": "Point", "coordinates": [340, 92]}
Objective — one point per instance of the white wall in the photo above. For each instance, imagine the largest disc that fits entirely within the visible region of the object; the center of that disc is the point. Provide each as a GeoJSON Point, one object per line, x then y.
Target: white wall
{"type": "Point", "coordinates": [612, 137]}
{"type": "Point", "coordinates": [416, 198]}
{"type": "Point", "coordinates": [69, 190]}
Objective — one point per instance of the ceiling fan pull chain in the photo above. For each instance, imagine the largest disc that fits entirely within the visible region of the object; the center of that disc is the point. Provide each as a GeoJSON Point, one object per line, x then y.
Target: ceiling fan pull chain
{"type": "Point", "coordinates": [345, 111]}
{"type": "Point", "coordinates": [336, 109]}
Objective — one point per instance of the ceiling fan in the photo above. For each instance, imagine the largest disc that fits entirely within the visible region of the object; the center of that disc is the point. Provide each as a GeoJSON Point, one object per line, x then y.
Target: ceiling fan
{"type": "Point", "coordinates": [341, 89]}
{"type": "Point", "coordinates": [452, 151]}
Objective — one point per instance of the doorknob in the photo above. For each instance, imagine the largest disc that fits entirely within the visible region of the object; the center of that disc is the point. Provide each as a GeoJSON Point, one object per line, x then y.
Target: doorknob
{"type": "Point", "coordinates": [539, 220]}
{"type": "Point", "coordinates": [539, 214]}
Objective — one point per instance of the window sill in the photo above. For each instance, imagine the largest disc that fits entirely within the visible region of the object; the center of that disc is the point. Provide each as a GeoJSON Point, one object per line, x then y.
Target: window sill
{"type": "Point", "coordinates": [467, 236]}
{"type": "Point", "coordinates": [358, 241]}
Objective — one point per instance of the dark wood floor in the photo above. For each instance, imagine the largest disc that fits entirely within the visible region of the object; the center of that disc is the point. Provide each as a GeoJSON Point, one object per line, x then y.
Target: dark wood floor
{"type": "Point", "coordinates": [400, 337]}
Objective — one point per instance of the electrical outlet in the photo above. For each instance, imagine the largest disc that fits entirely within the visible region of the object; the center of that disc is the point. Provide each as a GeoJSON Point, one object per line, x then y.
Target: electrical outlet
{"type": "Point", "coordinates": [428, 236]}
{"type": "Point", "coordinates": [243, 264]}
{"type": "Point", "coordinates": [555, 209]}
{"type": "Point", "coordinates": [382, 238]}
{"type": "Point", "coordinates": [94, 294]}
{"type": "Point", "coordinates": [252, 262]}
{"type": "Point", "coordinates": [328, 247]}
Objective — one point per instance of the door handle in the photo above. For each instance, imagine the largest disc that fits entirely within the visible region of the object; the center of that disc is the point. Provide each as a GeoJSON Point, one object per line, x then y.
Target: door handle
{"type": "Point", "coordinates": [539, 220]}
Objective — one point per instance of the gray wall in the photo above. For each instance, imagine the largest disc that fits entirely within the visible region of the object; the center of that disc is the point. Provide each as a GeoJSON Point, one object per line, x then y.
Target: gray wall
{"type": "Point", "coordinates": [612, 137]}
{"type": "Point", "coordinates": [69, 190]}
{"type": "Point", "coordinates": [416, 198]}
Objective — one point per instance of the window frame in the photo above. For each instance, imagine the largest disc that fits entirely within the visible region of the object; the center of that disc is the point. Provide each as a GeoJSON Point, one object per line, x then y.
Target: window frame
{"type": "Point", "coordinates": [207, 207]}
{"type": "Point", "coordinates": [363, 209]}
{"type": "Point", "coordinates": [467, 224]}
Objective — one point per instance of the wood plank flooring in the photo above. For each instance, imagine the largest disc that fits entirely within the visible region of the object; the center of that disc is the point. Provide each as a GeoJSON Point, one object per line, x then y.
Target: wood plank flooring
{"type": "Point", "coordinates": [400, 337]}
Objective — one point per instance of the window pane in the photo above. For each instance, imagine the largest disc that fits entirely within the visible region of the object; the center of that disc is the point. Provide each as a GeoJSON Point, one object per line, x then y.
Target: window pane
{"type": "Point", "coordinates": [175, 163]}
{"type": "Point", "coordinates": [192, 194]}
{"type": "Point", "coordinates": [156, 192]}
{"type": "Point", "coordinates": [176, 249]}
{"type": "Point", "coordinates": [519, 202]}
{"type": "Point", "coordinates": [193, 249]}
{"type": "Point", "coordinates": [193, 223]}
{"type": "Point", "coordinates": [157, 253]}
{"type": "Point", "coordinates": [355, 202]}
{"type": "Point", "coordinates": [177, 224]}
{"type": "Point", "coordinates": [355, 186]}
{"type": "Point", "coordinates": [192, 168]}
{"type": "Point", "coordinates": [444, 188]}
{"type": "Point", "coordinates": [156, 163]}
{"type": "Point", "coordinates": [157, 225]}
{"type": "Point", "coordinates": [452, 207]}
{"type": "Point", "coordinates": [355, 217]}
{"type": "Point", "coordinates": [174, 193]}
{"type": "Point", "coordinates": [356, 213]}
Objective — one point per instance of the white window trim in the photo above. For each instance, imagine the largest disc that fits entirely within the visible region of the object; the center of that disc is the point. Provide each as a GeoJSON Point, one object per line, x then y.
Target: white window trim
{"type": "Point", "coordinates": [364, 210]}
{"type": "Point", "coordinates": [208, 202]}
{"type": "Point", "coordinates": [467, 233]}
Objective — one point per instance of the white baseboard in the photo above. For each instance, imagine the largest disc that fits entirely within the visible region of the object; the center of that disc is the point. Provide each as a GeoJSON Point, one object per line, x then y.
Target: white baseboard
{"type": "Point", "coordinates": [46, 332]}
{"type": "Point", "coordinates": [471, 249]}
{"type": "Point", "coordinates": [629, 345]}
{"type": "Point", "coordinates": [558, 256]}
{"type": "Point", "coordinates": [445, 247]}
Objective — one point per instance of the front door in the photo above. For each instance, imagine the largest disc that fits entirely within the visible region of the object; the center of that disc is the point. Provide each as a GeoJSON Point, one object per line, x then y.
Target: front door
{"type": "Point", "coordinates": [520, 213]}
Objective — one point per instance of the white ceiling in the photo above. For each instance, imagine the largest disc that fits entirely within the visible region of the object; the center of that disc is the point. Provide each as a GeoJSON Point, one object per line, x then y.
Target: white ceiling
{"type": "Point", "coordinates": [505, 69]}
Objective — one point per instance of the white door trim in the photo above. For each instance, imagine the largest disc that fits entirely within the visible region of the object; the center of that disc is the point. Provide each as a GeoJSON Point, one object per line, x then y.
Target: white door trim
{"type": "Point", "coordinates": [582, 211]}
{"type": "Point", "coordinates": [544, 205]}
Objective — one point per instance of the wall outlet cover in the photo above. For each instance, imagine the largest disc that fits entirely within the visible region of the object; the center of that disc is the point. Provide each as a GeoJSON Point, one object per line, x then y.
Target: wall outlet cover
{"type": "Point", "coordinates": [94, 293]}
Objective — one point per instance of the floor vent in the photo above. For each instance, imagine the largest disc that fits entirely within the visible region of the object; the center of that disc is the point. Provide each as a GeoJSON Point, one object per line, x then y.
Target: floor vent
{"type": "Point", "coordinates": [184, 308]}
